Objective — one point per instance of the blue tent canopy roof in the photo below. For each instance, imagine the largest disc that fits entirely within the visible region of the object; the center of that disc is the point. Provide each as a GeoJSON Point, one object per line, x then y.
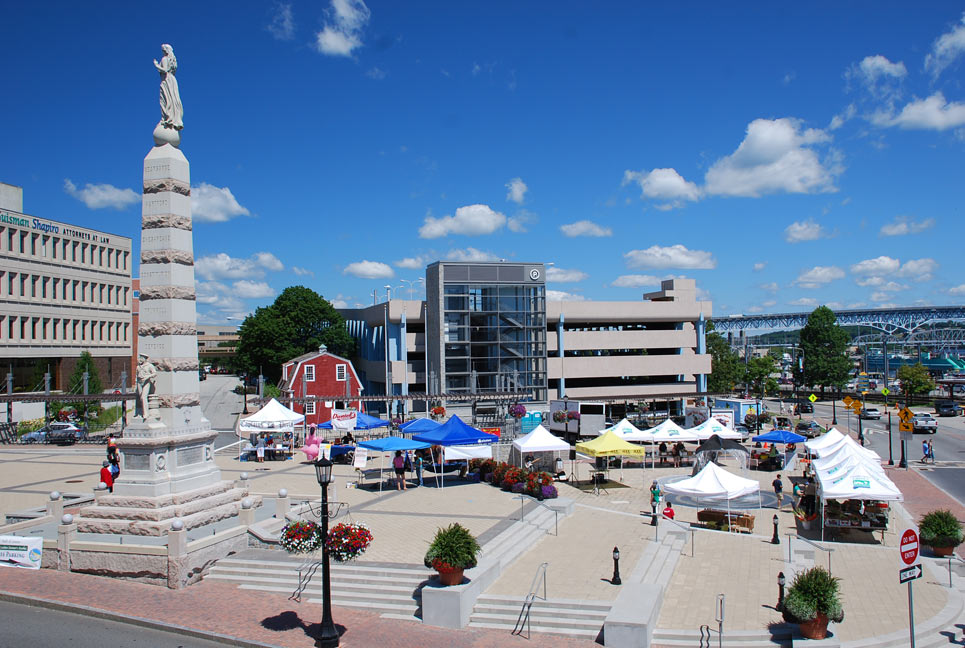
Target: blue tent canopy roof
{"type": "Point", "coordinates": [419, 425]}
{"type": "Point", "coordinates": [455, 432]}
{"type": "Point", "coordinates": [363, 422]}
{"type": "Point", "coordinates": [780, 436]}
{"type": "Point", "coordinates": [391, 444]}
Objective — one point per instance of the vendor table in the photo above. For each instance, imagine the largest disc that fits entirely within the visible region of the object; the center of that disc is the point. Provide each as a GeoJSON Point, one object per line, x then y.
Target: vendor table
{"type": "Point", "coordinates": [733, 519]}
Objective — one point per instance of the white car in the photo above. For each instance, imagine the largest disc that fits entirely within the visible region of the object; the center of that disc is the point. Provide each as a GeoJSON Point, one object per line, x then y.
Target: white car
{"type": "Point", "coordinates": [924, 422]}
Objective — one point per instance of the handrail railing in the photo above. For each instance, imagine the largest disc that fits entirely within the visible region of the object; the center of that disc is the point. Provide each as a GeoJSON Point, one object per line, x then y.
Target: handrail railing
{"type": "Point", "coordinates": [952, 557]}
{"type": "Point", "coordinates": [522, 511]}
{"type": "Point", "coordinates": [523, 619]}
{"type": "Point", "coordinates": [792, 536]}
{"type": "Point", "coordinates": [688, 527]}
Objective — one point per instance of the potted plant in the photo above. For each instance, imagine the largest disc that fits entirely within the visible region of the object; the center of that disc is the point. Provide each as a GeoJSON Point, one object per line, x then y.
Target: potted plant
{"type": "Point", "coordinates": [438, 412]}
{"type": "Point", "coordinates": [517, 411]}
{"type": "Point", "coordinates": [941, 531]}
{"type": "Point", "coordinates": [801, 515]}
{"type": "Point", "coordinates": [452, 551]}
{"type": "Point", "coordinates": [812, 602]}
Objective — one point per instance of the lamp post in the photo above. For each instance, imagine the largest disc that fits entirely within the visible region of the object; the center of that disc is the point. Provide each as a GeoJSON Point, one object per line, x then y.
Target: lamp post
{"type": "Point", "coordinates": [834, 409]}
{"type": "Point", "coordinates": [328, 635]}
{"type": "Point", "coordinates": [780, 591]}
{"type": "Point", "coordinates": [244, 396]}
{"type": "Point", "coordinates": [775, 539]}
{"type": "Point", "coordinates": [616, 568]}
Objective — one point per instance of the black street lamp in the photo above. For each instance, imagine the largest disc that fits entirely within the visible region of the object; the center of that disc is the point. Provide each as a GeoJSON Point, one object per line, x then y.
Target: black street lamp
{"type": "Point", "coordinates": [775, 539]}
{"type": "Point", "coordinates": [244, 396]}
{"type": "Point", "coordinates": [616, 568]}
{"type": "Point", "coordinates": [780, 591]}
{"type": "Point", "coordinates": [834, 403]}
{"type": "Point", "coordinates": [328, 636]}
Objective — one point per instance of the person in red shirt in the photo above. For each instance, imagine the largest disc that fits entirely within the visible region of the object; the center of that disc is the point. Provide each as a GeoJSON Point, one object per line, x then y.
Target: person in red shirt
{"type": "Point", "coordinates": [668, 512]}
{"type": "Point", "coordinates": [107, 477]}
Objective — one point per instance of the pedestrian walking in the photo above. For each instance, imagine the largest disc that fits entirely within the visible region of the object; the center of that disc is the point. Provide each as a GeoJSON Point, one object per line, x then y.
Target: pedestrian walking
{"type": "Point", "coordinates": [398, 463]}
{"type": "Point", "coordinates": [418, 467]}
{"type": "Point", "coordinates": [778, 491]}
{"type": "Point", "coordinates": [931, 451]}
{"type": "Point", "coordinates": [924, 452]}
{"type": "Point", "coordinates": [107, 477]}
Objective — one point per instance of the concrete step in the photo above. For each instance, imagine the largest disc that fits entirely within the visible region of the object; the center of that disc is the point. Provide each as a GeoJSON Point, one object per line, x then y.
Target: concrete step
{"type": "Point", "coordinates": [505, 610]}
{"type": "Point", "coordinates": [602, 607]}
{"type": "Point", "coordinates": [545, 623]}
{"type": "Point", "coordinates": [158, 528]}
{"type": "Point", "coordinates": [342, 570]}
{"type": "Point", "coordinates": [533, 627]}
{"type": "Point", "coordinates": [385, 588]}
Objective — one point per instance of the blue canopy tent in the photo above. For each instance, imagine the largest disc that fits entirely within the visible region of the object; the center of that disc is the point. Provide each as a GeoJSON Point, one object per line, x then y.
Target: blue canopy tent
{"type": "Point", "coordinates": [455, 432]}
{"type": "Point", "coordinates": [390, 444]}
{"type": "Point", "coordinates": [780, 436]}
{"type": "Point", "coordinates": [363, 422]}
{"type": "Point", "coordinates": [417, 426]}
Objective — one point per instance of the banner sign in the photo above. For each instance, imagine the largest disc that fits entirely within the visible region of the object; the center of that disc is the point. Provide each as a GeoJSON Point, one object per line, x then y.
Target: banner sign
{"type": "Point", "coordinates": [361, 456]}
{"type": "Point", "coordinates": [17, 551]}
{"type": "Point", "coordinates": [344, 419]}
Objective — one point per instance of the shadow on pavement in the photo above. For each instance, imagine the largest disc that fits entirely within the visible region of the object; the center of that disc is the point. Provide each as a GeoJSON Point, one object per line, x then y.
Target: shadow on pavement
{"type": "Point", "coordinates": [289, 620]}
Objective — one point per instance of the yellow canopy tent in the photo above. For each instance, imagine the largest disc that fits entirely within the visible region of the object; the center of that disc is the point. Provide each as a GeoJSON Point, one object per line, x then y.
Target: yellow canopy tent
{"type": "Point", "coordinates": [609, 444]}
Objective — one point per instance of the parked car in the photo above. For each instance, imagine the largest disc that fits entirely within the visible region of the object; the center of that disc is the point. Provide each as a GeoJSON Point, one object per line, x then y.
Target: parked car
{"type": "Point", "coordinates": [947, 408]}
{"type": "Point", "coordinates": [870, 413]}
{"type": "Point", "coordinates": [924, 422]}
{"type": "Point", "coordinates": [744, 431]}
{"type": "Point", "coordinates": [810, 429]}
{"type": "Point", "coordinates": [804, 406]}
{"type": "Point", "coordinates": [37, 436]}
{"type": "Point", "coordinates": [64, 433]}
{"type": "Point", "coordinates": [202, 375]}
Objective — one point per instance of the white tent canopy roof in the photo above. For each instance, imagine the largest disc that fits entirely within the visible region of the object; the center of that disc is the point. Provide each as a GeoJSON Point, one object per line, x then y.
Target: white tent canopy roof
{"type": "Point", "coordinates": [668, 432]}
{"type": "Point", "coordinates": [540, 440]}
{"type": "Point", "coordinates": [626, 430]}
{"type": "Point", "coordinates": [712, 426]}
{"type": "Point", "coordinates": [826, 440]}
{"type": "Point", "coordinates": [271, 416]}
{"type": "Point", "coordinates": [713, 482]}
{"type": "Point", "coordinates": [860, 482]}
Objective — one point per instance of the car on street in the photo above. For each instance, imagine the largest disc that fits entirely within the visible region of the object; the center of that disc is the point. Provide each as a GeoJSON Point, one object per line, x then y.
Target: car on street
{"type": "Point", "coordinates": [924, 422]}
{"type": "Point", "coordinates": [870, 413]}
{"type": "Point", "coordinates": [947, 408]}
{"type": "Point", "coordinates": [804, 406]}
{"type": "Point", "coordinates": [37, 436]}
{"type": "Point", "coordinates": [743, 430]}
{"type": "Point", "coordinates": [810, 429]}
{"type": "Point", "coordinates": [64, 433]}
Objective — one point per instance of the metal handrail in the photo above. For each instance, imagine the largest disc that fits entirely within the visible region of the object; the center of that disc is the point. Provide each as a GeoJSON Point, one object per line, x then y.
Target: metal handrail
{"type": "Point", "coordinates": [524, 619]}
{"type": "Point", "coordinates": [556, 514]}
{"type": "Point", "coordinates": [687, 527]}
{"type": "Point", "coordinates": [952, 557]}
{"type": "Point", "coordinates": [791, 536]}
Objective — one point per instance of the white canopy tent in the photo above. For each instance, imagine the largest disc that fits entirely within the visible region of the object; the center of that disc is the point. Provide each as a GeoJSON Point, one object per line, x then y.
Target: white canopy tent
{"type": "Point", "coordinates": [826, 440]}
{"type": "Point", "coordinates": [273, 417]}
{"type": "Point", "coordinates": [712, 426]}
{"type": "Point", "coordinates": [860, 482]}
{"type": "Point", "coordinates": [450, 453]}
{"type": "Point", "coordinates": [669, 432]}
{"type": "Point", "coordinates": [715, 483]}
{"type": "Point", "coordinates": [539, 440]}
{"type": "Point", "coordinates": [626, 430]}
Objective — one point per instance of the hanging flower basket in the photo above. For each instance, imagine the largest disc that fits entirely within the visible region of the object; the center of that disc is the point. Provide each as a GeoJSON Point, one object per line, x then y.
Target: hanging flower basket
{"type": "Point", "coordinates": [573, 416]}
{"type": "Point", "coordinates": [559, 416]}
{"type": "Point", "coordinates": [348, 541]}
{"type": "Point", "coordinates": [438, 411]}
{"type": "Point", "coordinates": [517, 411]}
{"type": "Point", "coordinates": [301, 537]}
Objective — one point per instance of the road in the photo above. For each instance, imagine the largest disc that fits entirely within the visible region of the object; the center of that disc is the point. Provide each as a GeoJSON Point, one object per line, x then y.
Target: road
{"type": "Point", "coordinates": [949, 442]}
{"type": "Point", "coordinates": [221, 406]}
{"type": "Point", "coordinates": [24, 625]}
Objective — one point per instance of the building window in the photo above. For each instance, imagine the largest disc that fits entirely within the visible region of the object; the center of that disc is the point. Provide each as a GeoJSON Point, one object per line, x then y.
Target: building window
{"type": "Point", "coordinates": [309, 408]}
{"type": "Point", "coordinates": [340, 371]}
{"type": "Point", "coordinates": [309, 373]}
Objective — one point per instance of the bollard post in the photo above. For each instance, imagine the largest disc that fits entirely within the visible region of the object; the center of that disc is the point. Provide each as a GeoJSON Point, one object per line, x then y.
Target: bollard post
{"type": "Point", "coordinates": [55, 506]}
{"type": "Point", "coordinates": [247, 513]}
{"type": "Point", "coordinates": [282, 504]}
{"type": "Point", "coordinates": [66, 534]}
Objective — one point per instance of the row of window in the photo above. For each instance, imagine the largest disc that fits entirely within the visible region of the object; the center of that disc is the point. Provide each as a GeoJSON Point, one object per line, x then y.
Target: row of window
{"type": "Point", "coordinates": [25, 329]}
{"type": "Point", "coordinates": [72, 291]}
{"type": "Point", "coordinates": [46, 246]}
{"type": "Point", "coordinates": [341, 371]}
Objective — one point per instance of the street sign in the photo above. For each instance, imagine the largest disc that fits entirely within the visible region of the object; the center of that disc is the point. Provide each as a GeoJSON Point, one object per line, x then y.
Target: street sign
{"type": "Point", "coordinates": [905, 426]}
{"type": "Point", "coordinates": [856, 406]}
{"type": "Point", "coordinates": [812, 398]}
{"type": "Point", "coordinates": [885, 391]}
{"type": "Point", "coordinates": [908, 547]}
{"type": "Point", "coordinates": [847, 400]}
{"type": "Point", "coordinates": [909, 574]}
{"type": "Point", "coordinates": [905, 414]}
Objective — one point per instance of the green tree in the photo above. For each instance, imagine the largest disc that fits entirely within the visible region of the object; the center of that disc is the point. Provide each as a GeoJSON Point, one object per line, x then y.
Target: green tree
{"type": "Point", "coordinates": [758, 375]}
{"type": "Point", "coordinates": [825, 347]}
{"type": "Point", "coordinates": [915, 379]}
{"type": "Point", "coordinates": [726, 369]}
{"type": "Point", "coordinates": [299, 321]}
{"type": "Point", "coordinates": [75, 384]}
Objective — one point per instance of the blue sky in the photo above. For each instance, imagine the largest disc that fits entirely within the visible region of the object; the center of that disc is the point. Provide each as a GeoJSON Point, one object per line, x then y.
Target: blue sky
{"type": "Point", "coordinates": [783, 156]}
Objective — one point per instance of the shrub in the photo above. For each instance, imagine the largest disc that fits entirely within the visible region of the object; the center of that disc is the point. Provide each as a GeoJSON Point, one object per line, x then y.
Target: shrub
{"type": "Point", "coordinates": [940, 529]}
{"type": "Point", "coordinates": [549, 492]}
{"type": "Point", "coordinates": [452, 548]}
{"type": "Point", "coordinates": [813, 591]}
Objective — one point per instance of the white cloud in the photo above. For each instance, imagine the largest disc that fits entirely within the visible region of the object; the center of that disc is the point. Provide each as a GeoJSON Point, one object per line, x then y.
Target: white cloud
{"type": "Point", "coordinates": [804, 301]}
{"type": "Point", "coordinates": [878, 266]}
{"type": "Point", "coordinates": [247, 289]}
{"type": "Point", "coordinates": [341, 301]}
{"type": "Point", "coordinates": [559, 295]}
{"type": "Point", "coordinates": [843, 117]}
{"type": "Point", "coordinates": [342, 33]}
{"type": "Point", "coordinates": [376, 73]}
{"type": "Point", "coordinates": [218, 296]}
{"type": "Point", "coordinates": [517, 190]}
{"type": "Point", "coordinates": [918, 269]}
{"type": "Point", "coordinates": [775, 156]}
{"type": "Point", "coordinates": [302, 272]}
{"type": "Point", "coordinates": [768, 303]}
{"type": "Point", "coordinates": [471, 220]}
{"type": "Point", "coordinates": [818, 275]}
{"type": "Point", "coordinates": [878, 75]}
{"type": "Point", "coordinates": [471, 254]}
{"type": "Point", "coordinates": [880, 297]}
{"type": "Point", "coordinates": [933, 113]}
{"type": "Point", "coordinates": [770, 287]}
{"type": "Point", "coordinates": [957, 290]}
{"type": "Point", "coordinates": [673, 256]}
{"type": "Point", "coordinates": [561, 275]}
{"type": "Point", "coordinates": [223, 266]}
{"type": "Point", "coordinates": [755, 309]}
{"type": "Point", "coordinates": [282, 25]}
{"type": "Point", "coordinates": [411, 263]}
{"type": "Point", "coordinates": [635, 281]}
{"type": "Point", "coordinates": [369, 270]}
{"type": "Point", "coordinates": [585, 228]}
{"type": "Point", "coordinates": [210, 204]}
{"type": "Point", "coordinates": [946, 49]}
{"type": "Point", "coordinates": [903, 225]}
{"type": "Point", "coordinates": [521, 220]}
{"type": "Point", "coordinates": [663, 184]}
{"type": "Point", "coordinates": [760, 265]}
{"type": "Point", "coordinates": [100, 196]}
{"type": "Point", "coordinates": [807, 230]}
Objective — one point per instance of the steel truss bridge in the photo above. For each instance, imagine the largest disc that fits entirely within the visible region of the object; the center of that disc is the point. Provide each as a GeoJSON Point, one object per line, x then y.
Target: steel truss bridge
{"type": "Point", "coordinates": [886, 320]}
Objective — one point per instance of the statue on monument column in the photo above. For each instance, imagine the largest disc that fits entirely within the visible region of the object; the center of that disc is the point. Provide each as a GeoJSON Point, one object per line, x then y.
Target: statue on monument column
{"type": "Point", "coordinates": [146, 376]}
{"type": "Point", "coordinates": [172, 114]}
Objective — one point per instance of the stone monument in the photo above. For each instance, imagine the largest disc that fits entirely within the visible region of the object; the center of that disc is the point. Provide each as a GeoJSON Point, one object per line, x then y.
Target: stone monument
{"type": "Point", "coordinates": [167, 452]}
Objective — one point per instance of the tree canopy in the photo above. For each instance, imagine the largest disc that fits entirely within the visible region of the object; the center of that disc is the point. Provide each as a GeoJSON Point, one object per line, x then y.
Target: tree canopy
{"type": "Point", "coordinates": [825, 347]}
{"type": "Point", "coordinates": [726, 369]}
{"type": "Point", "coordinates": [915, 379]}
{"type": "Point", "coordinates": [300, 320]}
{"type": "Point", "coordinates": [75, 384]}
{"type": "Point", "coordinates": [758, 375]}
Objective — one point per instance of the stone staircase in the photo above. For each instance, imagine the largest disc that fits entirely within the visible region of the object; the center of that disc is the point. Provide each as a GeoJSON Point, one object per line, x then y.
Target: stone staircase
{"type": "Point", "coordinates": [557, 616]}
{"type": "Point", "coordinates": [392, 590]}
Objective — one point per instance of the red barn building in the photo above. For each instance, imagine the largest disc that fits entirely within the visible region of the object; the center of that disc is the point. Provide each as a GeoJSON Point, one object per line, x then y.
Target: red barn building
{"type": "Point", "coordinates": [316, 375]}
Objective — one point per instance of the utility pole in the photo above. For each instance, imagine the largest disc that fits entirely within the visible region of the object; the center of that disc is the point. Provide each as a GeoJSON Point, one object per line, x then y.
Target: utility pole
{"type": "Point", "coordinates": [123, 401]}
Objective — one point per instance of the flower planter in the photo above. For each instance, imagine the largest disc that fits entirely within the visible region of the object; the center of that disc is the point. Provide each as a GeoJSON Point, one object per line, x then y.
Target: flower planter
{"type": "Point", "coordinates": [943, 551]}
{"type": "Point", "coordinates": [451, 577]}
{"type": "Point", "coordinates": [816, 628]}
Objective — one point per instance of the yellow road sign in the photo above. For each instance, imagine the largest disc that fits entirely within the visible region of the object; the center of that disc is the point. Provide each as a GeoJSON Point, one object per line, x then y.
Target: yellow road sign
{"type": "Point", "coordinates": [905, 426]}
{"type": "Point", "coordinates": [812, 398]}
{"type": "Point", "coordinates": [856, 406]}
{"type": "Point", "coordinates": [905, 414]}
{"type": "Point", "coordinates": [885, 391]}
{"type": "Point", "coordinates": [847, 400]}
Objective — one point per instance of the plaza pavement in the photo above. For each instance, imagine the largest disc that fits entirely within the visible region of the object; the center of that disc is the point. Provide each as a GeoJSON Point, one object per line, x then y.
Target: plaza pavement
{"type": "Point", "coordinates": [743, 567]}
